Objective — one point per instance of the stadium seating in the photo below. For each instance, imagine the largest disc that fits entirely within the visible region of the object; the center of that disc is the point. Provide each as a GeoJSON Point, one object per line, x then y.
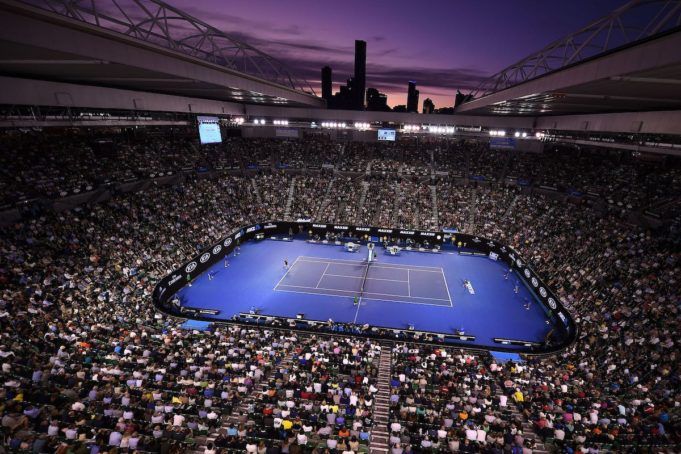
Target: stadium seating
{"type": "Point", "coordinates": [86, 360]}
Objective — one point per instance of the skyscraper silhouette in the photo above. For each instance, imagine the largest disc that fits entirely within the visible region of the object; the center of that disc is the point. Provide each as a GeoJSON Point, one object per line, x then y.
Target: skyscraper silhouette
{"type": "Point", "coordinates": [428, 106]}
{"type": "Point", "coordinates": [327, 81]}
{"type": "Point", "coordinates": [412, 97]}
{"type": "Point", "coordinates": [359, 81]}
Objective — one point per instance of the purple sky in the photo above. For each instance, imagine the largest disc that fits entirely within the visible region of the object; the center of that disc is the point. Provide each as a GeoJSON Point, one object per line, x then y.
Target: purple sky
{"type": "Point", "coordinates": [441, 44]}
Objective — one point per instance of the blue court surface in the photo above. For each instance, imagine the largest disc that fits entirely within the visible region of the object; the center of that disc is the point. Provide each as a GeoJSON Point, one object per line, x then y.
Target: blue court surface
{"type": "Point", "coordinates": [377, 282]}
{"type": "Point", "coordinates": [422, 289]}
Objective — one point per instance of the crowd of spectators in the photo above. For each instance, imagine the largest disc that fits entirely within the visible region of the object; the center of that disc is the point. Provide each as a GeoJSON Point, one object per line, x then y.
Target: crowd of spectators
{"type": "Point", "coordinates": [322, 397]}
{"type": "Point", "coordinates": [308, 195]}
{"type": "Point", "coordinates": [88, 364]}
{"type": "Point", "coordinates": [448, 401]}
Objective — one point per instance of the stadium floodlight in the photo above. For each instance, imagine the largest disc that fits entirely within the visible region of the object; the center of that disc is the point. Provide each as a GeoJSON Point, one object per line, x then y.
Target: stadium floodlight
{"type": "Point", "coordinates": [517, 134]}
{"type": "Point", "coordinates": [524, 135]}
{"type": "Point", "coordinates": [501, 133]}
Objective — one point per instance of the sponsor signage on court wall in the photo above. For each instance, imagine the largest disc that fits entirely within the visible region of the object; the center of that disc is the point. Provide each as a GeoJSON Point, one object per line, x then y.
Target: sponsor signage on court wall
{"type": "Point", "coordinates": [340, 227]}
{"type": "Point", "coordinates": [363, 229]}
{"type": "Point", "coordinates": [385, 230]}
{"type": "Point", "coordinates": [208, 311]}
{"type": "Point", "coordinates": [253, 228]}
{"type": "Point", "coordinates": [319, 226]}
{"type": "Point", "coordinates": [427, 233]}
{"type": "Point", "coordinates": [563, 318]}
{"type": "Point", "coordinates": [270, 226]}
{"type": "Point", "coordinates": [406, 232]}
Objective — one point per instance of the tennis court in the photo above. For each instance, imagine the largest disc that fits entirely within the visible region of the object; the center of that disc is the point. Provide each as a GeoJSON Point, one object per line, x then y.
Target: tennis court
{"type": "Point", "coordinates": [417, 289]}
{"type": "Point", "coordinates": [353, 278]}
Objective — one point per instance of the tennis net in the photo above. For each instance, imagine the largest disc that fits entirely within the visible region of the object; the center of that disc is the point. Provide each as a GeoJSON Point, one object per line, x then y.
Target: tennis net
{"type": "Point", "coordinates": [364, 280]}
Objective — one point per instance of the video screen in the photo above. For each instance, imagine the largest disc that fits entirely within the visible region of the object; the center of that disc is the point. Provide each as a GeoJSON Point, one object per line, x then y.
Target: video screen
{"type": "Point", "coordinates": [209, 130]}
{"type": "Point", "coordinates": [386, 134]}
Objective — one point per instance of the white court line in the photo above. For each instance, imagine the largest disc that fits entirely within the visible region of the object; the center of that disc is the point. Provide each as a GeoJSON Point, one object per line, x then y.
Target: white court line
{"type": "Point", "coordinates": [430, 269]}
{"type": "Point", "coordinates": [444, 278]}
{"type": "Point", "coordinates": [366, 298]}
{"type": "Point", "coordinates": [359, 304]}
{"type": "Point", "coordinates": [394, 265]}
{"type": "Point", "coordinates": [368, 279]}
{"type": "Point", "coordinates": [328, 262]}
{"type": "Point", "coordinates": [385, 267]}
{"type": "Point", "coordinates": [408, 284]}
{"type": "Point", "coordinates": [287, 271]}
{"type": "Point", "coordinates": [322, 276]}
{"type": "Point", "coordinates": [366, 293]}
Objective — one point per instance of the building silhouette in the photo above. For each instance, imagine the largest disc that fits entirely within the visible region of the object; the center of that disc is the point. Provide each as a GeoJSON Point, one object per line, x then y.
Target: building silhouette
{"type": "Point", "coordinates": [412, 97]}
{"type": "Point", "coordinates": [428, 106]}
{"type": "Point", "coordinates": [351, 95]}
{"type": "Point", "coordinates": [359, 81]}
{"type": "Point", "coordinates": [377, 101]}
{"type": "Point", "coordinates": [327, 84]}
{"type": "Point", "coordinates": [344, 98]}
{"type": "Point", "coordinates": [460, 98]}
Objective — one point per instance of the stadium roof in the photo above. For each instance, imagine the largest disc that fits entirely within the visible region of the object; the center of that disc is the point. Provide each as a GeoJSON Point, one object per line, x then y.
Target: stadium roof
{"type": "Point", "coordinates": [627, 61]}
{"type": "Point", "coordinates": [143, 45]}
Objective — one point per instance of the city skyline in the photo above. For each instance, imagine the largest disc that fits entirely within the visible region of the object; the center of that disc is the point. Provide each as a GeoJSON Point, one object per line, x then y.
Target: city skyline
{"type": "Point", "coordinates": [444, 46]}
